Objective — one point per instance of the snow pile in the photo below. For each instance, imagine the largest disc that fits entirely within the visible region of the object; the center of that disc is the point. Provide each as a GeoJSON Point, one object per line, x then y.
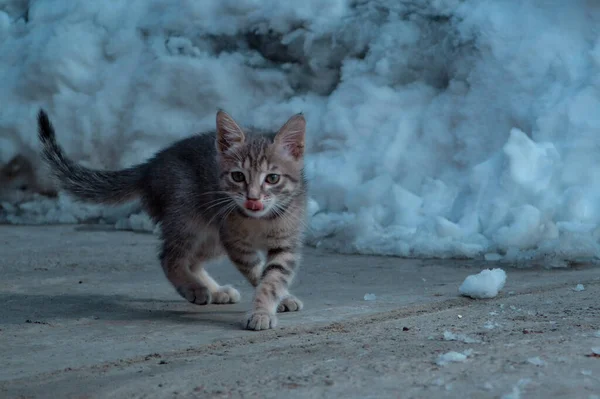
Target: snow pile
{"type": "Point", "coordinates": [485, 284]}
{"type": "Point", "coordinates": [445, 128]}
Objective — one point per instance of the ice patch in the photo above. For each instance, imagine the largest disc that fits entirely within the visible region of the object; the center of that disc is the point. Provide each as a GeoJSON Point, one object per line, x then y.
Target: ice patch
{"type": "Point", "coordinates": [370, 297]}
{"type": "Point", "coordinates": [485, 284]}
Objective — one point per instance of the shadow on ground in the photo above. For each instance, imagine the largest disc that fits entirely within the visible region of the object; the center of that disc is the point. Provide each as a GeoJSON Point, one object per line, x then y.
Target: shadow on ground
{"type": "Point", "coordinates": [47, 309]}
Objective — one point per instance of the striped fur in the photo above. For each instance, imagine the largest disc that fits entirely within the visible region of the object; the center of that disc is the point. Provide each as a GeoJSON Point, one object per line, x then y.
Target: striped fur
{"type": "Point", "coordinates": [85, 184]}
{"type": "Point", "coordinates": [192, 189]}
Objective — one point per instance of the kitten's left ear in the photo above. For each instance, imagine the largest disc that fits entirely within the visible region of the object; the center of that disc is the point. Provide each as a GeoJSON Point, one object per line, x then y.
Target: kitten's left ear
{"type": "Point", "coordinates": [290, 137]}
{"type": "Point", "coordinates": [229, 134]}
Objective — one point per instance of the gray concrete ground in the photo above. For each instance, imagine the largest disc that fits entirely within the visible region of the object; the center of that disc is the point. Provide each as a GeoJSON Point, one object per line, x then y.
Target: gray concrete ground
{"type": "Point", "coordinates": [87, 313]}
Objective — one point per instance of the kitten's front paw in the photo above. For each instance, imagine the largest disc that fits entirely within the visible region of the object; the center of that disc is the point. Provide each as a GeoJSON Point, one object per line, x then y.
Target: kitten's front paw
{"type": "Point", "coordinates": [261, 320]}
{"type": "Point", "coordinates": [195, 294]}
{"type": "Point", "coordinates": [290, 304]}
{"type": "Point", "coordinates": [225, 294]}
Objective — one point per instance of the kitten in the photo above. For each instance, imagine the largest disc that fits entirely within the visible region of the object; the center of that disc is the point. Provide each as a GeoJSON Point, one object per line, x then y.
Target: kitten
{"type": "Point", "coordinates": [236, 194]}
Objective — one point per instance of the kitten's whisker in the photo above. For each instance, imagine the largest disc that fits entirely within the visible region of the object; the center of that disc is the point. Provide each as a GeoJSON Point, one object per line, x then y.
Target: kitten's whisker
{"type": "Point", "coordinates": [217, 202]}
{"type": "Point", "coordinates": [213, 192]}
{"type": "Point", "coordinates": [289, 217]}
{"type": "Point", "coordinates": [224, 209]}
{"type": "Point", "coordinates": [231, 209]}
{"type": "Point", "coordinates": [294, 221]}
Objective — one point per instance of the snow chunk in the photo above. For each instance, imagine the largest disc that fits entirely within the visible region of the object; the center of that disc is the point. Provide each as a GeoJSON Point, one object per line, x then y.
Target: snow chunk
{"type": "Point", "coordinates": [451, 357]}
{"type": "Point", "coordinates": [579, 287]}
{"type": "Point", "coordinates": [312, 207]}
{"type": "Point", "coordinates": [523, 229]}
{"type": "Point", "coordinates": [531, 164]}
{"type": "Point", "coordinates": [514, 394]}
{"type": "Point", "coordinates": [490, 325]}
{"type": "Point", "coordinates": [516, 391]}
{"type": "Point", "coordinates": [139, 222]}
{"type": "Point", "coordinates": [536, 361]}
{"type": "Point", "coordinates": [4, 24]}
{"type": "Point", "coordinates": [450, 336]}
{"type": "Point", "coordinates": [486, 284]}
{"type": "Point", "coordinates": [369, 297]}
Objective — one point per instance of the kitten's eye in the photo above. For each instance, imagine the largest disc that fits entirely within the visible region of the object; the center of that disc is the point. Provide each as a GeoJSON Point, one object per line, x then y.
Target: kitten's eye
{"type": "Point", "coordinates": [238, 177]}
{"type": "Point", "coordinates": [272, 178]}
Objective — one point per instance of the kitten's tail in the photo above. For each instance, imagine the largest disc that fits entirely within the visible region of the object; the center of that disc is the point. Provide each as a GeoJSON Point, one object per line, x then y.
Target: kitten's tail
{"type": "Point", "coordinates": [109, 187]}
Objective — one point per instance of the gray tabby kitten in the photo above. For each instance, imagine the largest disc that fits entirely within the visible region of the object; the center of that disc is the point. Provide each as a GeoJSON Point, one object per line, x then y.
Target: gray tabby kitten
{"type": "Point", "coordinates": [240, 195]}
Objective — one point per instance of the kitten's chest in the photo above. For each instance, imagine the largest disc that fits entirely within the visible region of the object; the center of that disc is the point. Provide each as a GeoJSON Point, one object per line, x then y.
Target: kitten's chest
{"type": "Point", "coordinates": [260, 239]}
{"type": "Point", "coordinates": [260, 235]}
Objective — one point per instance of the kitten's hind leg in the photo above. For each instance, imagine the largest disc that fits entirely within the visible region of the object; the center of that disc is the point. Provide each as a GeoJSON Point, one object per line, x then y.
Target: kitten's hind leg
{"type": "Point", "coordinates": [210, 248]}
{"type": "Point", "coordinates": [180, 250]}
{"type": "Point", "coordinates": [175, 263]}
{"type": "Point", "coordinates": [220, 294]}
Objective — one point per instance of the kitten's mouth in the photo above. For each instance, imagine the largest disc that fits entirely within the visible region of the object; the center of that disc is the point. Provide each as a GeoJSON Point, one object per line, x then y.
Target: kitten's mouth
{"type": "Point", "coordinates": [254, 205]}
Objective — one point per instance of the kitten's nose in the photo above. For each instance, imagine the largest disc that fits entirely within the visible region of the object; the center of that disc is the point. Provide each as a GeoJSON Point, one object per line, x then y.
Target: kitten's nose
{"type": "Point", "coordinates": [254, 205]}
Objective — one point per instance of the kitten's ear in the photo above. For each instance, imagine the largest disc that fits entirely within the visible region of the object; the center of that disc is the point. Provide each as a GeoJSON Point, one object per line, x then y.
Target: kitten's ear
{"type": "Point", "coordinates": [229, 134]}
{"type": "Point", "coordinates": [290, 137]}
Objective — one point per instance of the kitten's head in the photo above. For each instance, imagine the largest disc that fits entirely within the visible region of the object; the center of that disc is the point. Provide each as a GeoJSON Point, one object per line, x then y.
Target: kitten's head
{"type": "Point", "coordinates": [261, 174]}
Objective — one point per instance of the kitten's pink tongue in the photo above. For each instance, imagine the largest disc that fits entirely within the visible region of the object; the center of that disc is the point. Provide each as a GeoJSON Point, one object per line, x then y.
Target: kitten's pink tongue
{"type": "Point", "coordinates": [254, 205]}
